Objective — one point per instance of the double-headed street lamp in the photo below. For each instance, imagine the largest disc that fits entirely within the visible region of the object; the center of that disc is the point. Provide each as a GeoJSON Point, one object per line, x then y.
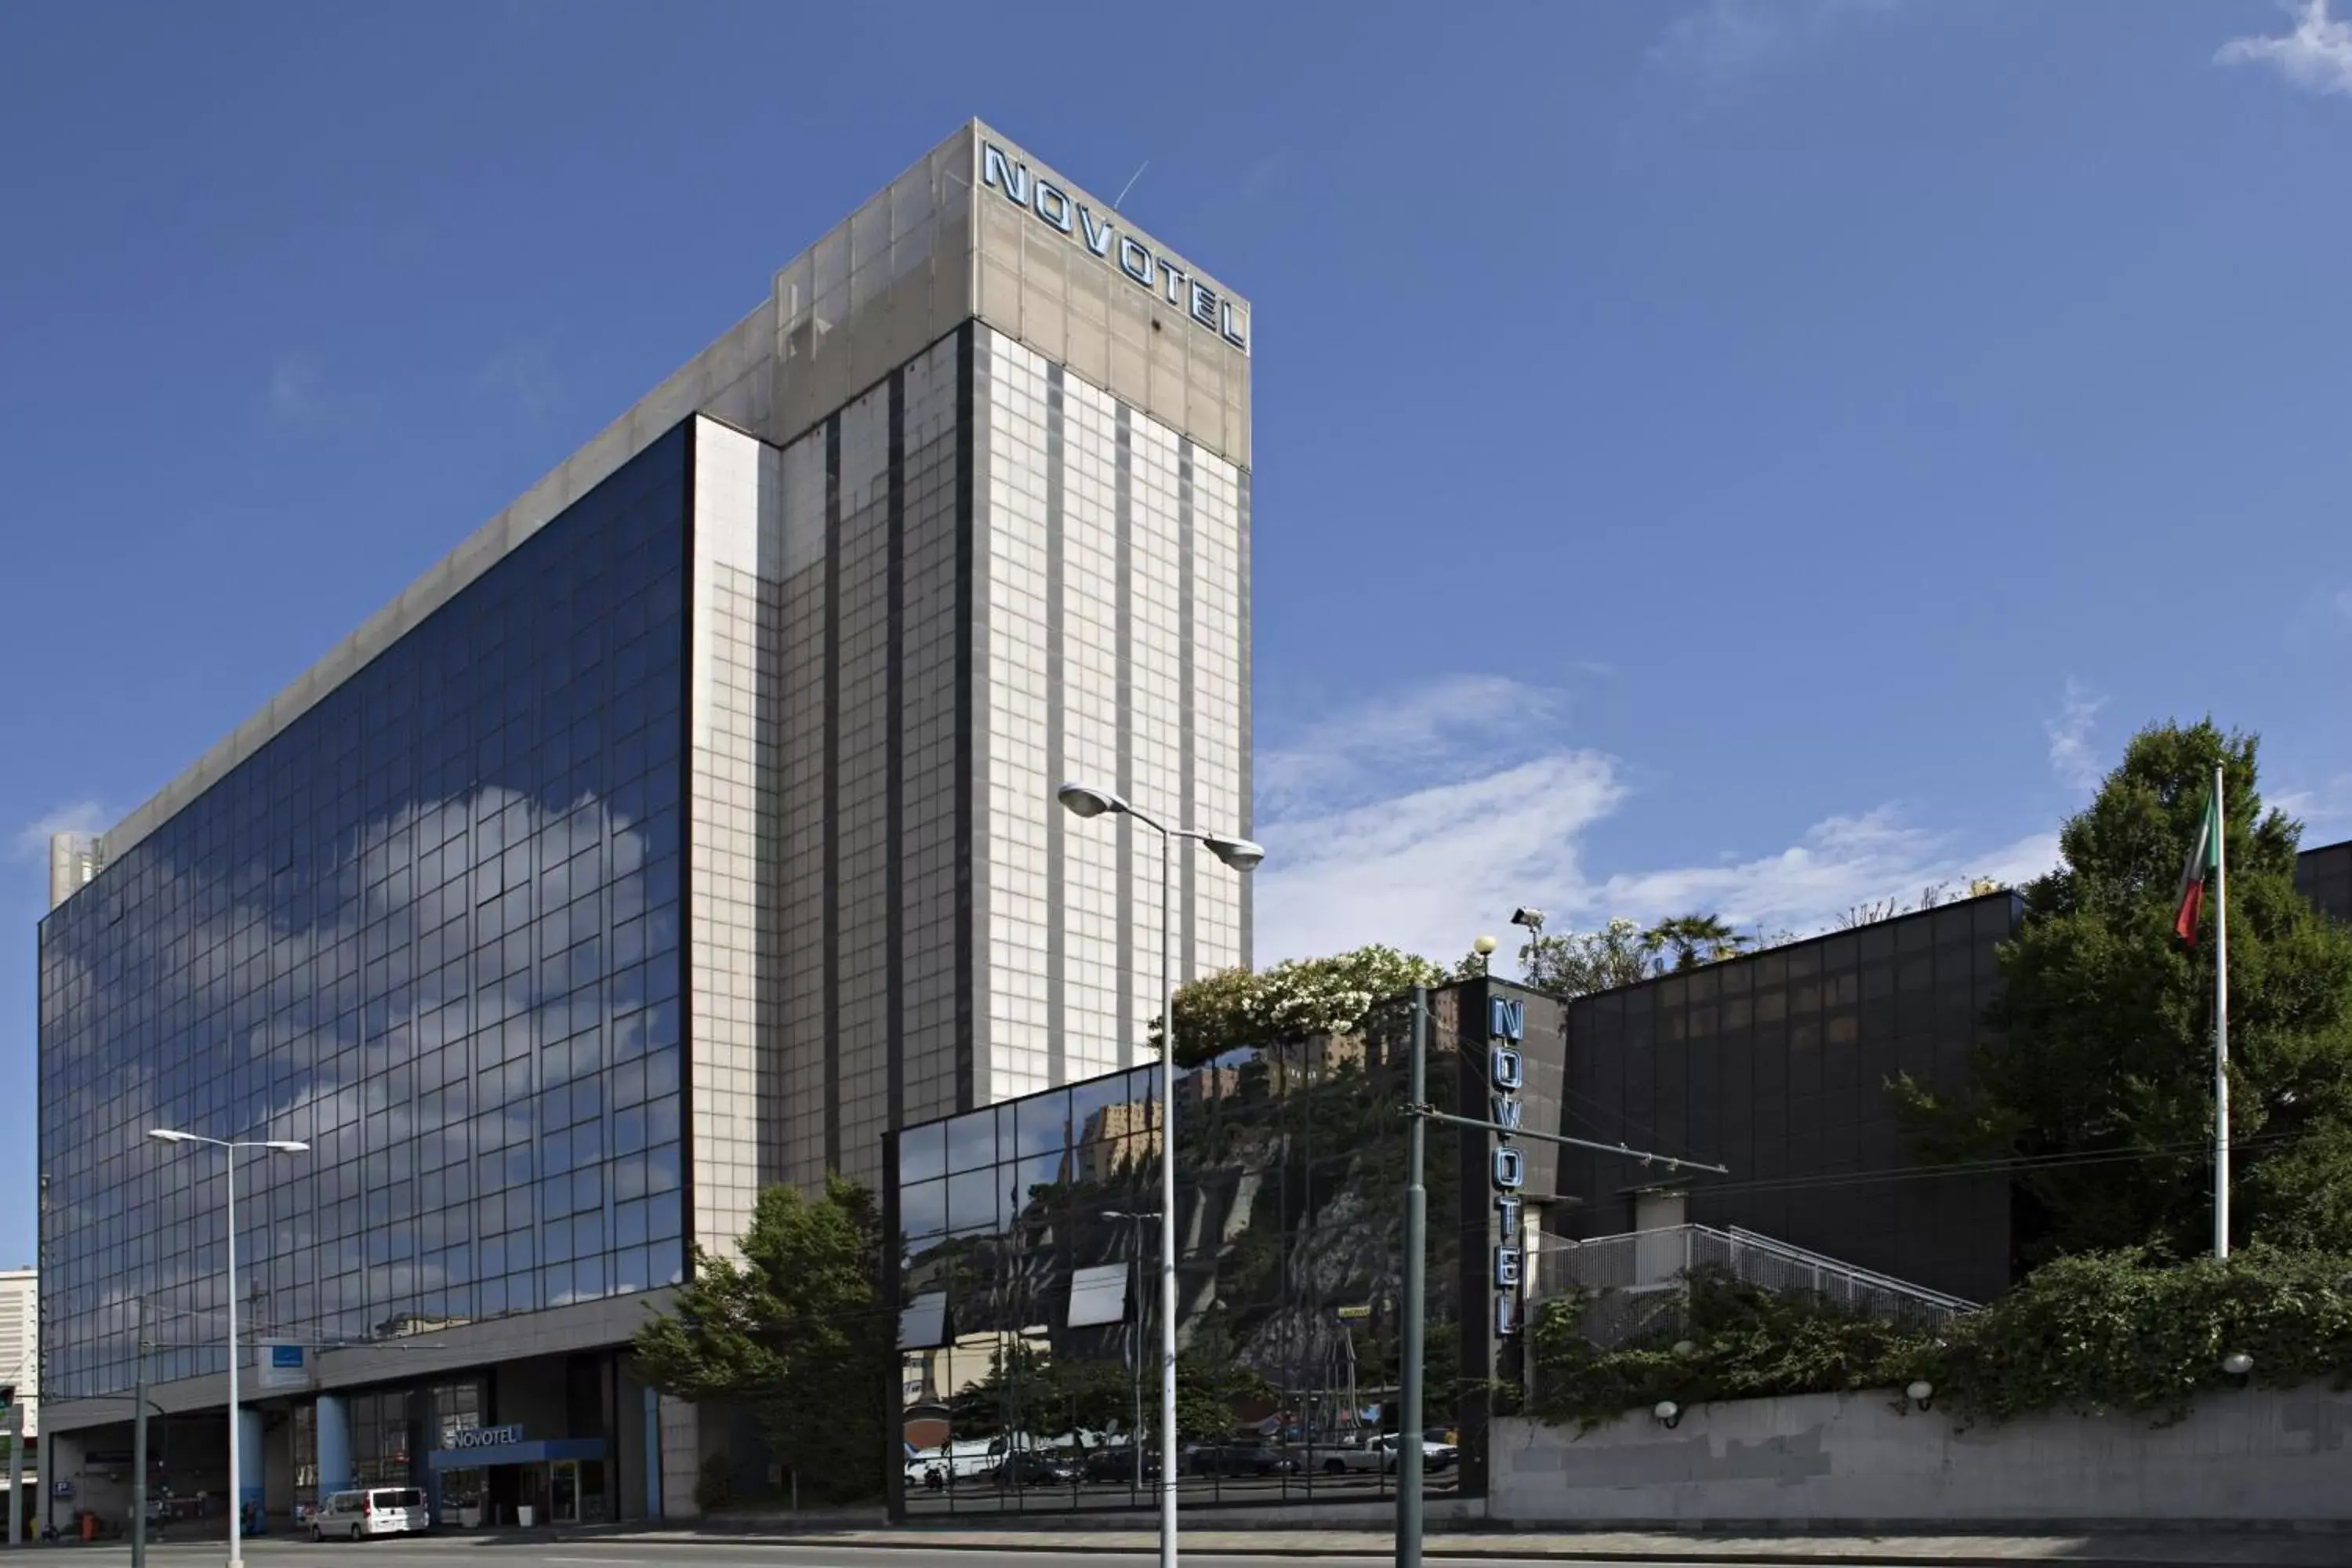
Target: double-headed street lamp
{"type": "Point", "coordinates": [235, 1487]}
{"type": "Point", "coordinates": [1241, 855]}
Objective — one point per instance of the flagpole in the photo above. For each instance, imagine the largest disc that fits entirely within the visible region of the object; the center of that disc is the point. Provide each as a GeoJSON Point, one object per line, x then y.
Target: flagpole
{"type": "Point", "coordinates": [2220, 1021]}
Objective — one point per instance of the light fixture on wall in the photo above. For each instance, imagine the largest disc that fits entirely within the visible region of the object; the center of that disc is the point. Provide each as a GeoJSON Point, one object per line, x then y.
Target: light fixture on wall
{"type": "Point", "coordinates": [1669, 1413]}
{"type": "Point", "coordinates": [2238, 1363]}
{"type": "Point", "coordinates": [1920, 1392]}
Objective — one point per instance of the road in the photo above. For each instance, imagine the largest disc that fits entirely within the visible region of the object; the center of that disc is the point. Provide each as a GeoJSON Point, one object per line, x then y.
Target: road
{"type": "Point", "coordinates": [523, 1552]}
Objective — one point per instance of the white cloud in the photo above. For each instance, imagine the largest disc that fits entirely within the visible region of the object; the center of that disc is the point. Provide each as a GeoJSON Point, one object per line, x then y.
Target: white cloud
{"type": "Point", "coordinates": [1424, 735]}
{"type": "Point", "coordinates": [2073, 755]}
{"type": "Point", "coordinates": [32, 840]}
{"type": "Point", "coordinates": [1838, 863]}
{"type": "Point", "coordinates": [1721, 42]}
{"type": "Point", "coordinates": [294, 394]}
{"type": "Point", "coordinates": [1401, 823]}
{"type": "Point", "coordinates": [2324, 809]}
{"type": "Point", "coordinates": [1430, 868]}
{"type": "Point", "coordinates": [2317, 55]}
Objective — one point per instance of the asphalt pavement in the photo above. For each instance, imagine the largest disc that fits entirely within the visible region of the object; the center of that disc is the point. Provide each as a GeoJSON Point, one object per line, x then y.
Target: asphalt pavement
{"type": "Point", "coordinates": [1229, 1549]}
{"type": "Point", "coordinates": [523, 1553]}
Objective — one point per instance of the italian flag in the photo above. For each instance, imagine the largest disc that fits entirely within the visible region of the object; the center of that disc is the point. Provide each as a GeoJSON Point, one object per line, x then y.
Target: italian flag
{"type": "Point", "coordinates": [2204, 859]}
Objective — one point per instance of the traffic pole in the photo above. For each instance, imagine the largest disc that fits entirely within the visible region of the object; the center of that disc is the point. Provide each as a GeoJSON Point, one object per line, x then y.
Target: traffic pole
{"type": "Point", "coordinates": [1416, 1270]}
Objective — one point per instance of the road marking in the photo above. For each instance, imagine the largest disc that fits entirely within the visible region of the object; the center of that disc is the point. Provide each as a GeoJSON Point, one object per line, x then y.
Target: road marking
{"type": "Point", "coordinates": [601, 1562]}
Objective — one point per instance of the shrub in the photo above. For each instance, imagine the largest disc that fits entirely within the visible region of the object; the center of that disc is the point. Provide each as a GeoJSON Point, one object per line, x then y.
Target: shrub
{"type": "Point", "coordinates": [2101, 1332]}
{"type": "Point", "coordinates": [715, 1487]}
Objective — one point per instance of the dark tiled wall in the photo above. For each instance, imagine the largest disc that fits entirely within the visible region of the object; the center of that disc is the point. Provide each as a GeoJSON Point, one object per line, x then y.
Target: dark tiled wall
{"type": "Point", "coordinates": [2325, 877]}
{"type": "Point", "coordinates": [1777, 1066]}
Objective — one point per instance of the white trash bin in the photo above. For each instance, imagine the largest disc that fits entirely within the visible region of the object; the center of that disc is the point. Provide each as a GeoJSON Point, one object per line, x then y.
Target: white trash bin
{"type": "Point", "coordinates": [524, 1514]}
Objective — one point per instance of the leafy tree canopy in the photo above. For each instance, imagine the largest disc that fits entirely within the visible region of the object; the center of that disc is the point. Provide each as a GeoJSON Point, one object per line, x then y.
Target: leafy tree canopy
{"type": "Point", "coordinates": [1577, 963]}
{"type": "Point", "coordinates": [795, 1333]}
{"type": "Point", "coordinates": [1292, 999]}
{"type": "Point", "coordinates": [2109, 1023]}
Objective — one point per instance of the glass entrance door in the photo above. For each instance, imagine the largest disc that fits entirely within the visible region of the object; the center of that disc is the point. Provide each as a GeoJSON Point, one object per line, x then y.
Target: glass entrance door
{"type": "Point", "coordinates": [563, 1492]}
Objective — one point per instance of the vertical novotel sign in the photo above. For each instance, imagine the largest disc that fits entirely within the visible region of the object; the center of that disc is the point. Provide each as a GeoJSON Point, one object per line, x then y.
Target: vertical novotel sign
{"type": "Point", "coordinates": [1506, 1074]}
{"type": "Point", "coordinates": [1053, 207]}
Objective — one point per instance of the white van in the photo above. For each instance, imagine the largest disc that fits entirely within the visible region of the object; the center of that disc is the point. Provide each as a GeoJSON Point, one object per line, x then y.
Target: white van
{"type": "Point", "coordinates": [380, 1511]}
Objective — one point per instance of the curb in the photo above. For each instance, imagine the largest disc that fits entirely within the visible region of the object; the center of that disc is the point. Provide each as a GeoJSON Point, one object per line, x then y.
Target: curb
{"type": "Point", "coordinates": [1452, 1547]}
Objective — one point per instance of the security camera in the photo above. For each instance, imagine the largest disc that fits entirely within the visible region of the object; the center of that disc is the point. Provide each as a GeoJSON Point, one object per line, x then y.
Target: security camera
{"type": "Point", "coordinates": [1531, 918]}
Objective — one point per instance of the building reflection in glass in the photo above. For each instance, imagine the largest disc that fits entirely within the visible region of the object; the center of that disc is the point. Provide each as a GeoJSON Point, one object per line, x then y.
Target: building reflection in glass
{"type": "Point", "coordinates": [432, 929]}
{"type": "Point", "coordinates": [1027, 1285]}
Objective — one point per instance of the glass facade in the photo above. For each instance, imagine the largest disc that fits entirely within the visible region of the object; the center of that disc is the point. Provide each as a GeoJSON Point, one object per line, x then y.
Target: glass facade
{"type": "Point", "coordinates": [1028, 1284]}
{"type": "Point", "coordinates": [431, 928]}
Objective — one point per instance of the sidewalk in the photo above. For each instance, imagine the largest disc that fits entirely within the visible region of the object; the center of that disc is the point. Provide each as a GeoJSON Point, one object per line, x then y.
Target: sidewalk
{"type": "Point", "coordinates": [2184, 1548]}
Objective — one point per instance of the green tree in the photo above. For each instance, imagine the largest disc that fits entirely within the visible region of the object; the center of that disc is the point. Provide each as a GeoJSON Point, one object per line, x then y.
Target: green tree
{"type": "Point", "coordinates": [1292, 999]}
{"type": "Point", "coordinates": [1693, 939]}
{"type": "Point", "coordinates": [2106, 1059]}
{"type": "Point", "coordinates": [1577, 963]}
{"type": "Point", "coordinates": [795, 1333]}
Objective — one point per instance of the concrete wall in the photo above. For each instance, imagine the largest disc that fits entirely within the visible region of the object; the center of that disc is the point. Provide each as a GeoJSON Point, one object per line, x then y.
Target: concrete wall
{"type": "Point", "coordinates": [2242, 1457]}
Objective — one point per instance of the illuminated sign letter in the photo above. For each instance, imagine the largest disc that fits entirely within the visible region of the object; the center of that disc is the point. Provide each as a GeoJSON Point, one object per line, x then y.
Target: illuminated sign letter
{"type": "Point", "coordinates": [1004, 174]}
{"type": "Point", "coordinates": [1098, 235]}
{"type": "Point", "coordinates": [1507, 1067]}
{"type": "Point", "coordinates": [1236, 327]}
{"type": "Point", "coordinates": [1135, 261]}
{"type": "Point", "coordinates": [1205, 307]}
{"type": "Point", "coordinates": [1059, 201]}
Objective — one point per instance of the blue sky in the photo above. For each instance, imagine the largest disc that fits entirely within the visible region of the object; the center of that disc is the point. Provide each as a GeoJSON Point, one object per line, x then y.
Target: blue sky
{"type": "Point", "coordinates": [1842, 420]}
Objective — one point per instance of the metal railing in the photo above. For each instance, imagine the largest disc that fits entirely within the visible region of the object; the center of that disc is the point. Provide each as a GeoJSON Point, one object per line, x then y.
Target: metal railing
{"type": "Point", "coordinates": [1638, 1279]}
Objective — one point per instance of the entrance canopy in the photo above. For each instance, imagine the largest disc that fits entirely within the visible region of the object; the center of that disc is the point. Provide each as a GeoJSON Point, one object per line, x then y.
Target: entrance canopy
{"type": "Point", "coordinates": [532, 1453]}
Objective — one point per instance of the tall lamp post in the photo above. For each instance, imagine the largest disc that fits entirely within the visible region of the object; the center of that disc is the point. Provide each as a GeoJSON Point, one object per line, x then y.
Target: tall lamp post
{"type": "Point", "coordinates": [1241, 855]}
{"type": "Point", "coordinates": [236, 1482]}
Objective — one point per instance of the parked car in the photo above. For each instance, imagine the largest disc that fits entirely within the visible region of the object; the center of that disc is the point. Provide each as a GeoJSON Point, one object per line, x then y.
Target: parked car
{"type": "Point", "coordinates": [1119, 1465]}
{"type": "Point", "coordinates": [1028, 1470]}
{"type": "Point", "coordinates": [1434, 1456]}
{"type": "Point", "coordinates": [1242, 1459]}
{"type": "Point", "coordinates": [1353, 1455]}
{"type": "Point", "coordinates": [379, 1511]}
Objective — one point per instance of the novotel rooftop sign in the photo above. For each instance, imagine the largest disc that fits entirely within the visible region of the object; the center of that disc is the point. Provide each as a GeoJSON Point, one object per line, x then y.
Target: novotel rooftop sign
{"type": "Point", "coordinates": [1102, 236]}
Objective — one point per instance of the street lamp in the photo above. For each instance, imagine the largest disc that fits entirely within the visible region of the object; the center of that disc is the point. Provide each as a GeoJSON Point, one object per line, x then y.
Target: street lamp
{"type": "Point", "coordinates": [1241, 855]}
{"type": "Point", "coordinates": [236, 1486]}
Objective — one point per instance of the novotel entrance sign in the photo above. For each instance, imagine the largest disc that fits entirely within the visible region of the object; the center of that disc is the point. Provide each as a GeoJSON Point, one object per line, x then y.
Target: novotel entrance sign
{"type": "Point", "coordinates": [1102, 236]}
{"type": "Point", "coordinates": [481, 1436]}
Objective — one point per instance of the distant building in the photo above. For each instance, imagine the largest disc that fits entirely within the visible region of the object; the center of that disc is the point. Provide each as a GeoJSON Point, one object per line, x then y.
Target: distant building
{"type": "Point", "coordinates": [20, 1340]}
{"type": "Point", "coordinates": [1115, 1137]}
{"type": "Point", "coordinates": [74, 859]}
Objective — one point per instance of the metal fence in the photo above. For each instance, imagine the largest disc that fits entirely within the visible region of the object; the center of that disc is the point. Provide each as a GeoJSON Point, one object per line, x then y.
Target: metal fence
{"type": "Point", "coordinates": [1638, 1279]}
